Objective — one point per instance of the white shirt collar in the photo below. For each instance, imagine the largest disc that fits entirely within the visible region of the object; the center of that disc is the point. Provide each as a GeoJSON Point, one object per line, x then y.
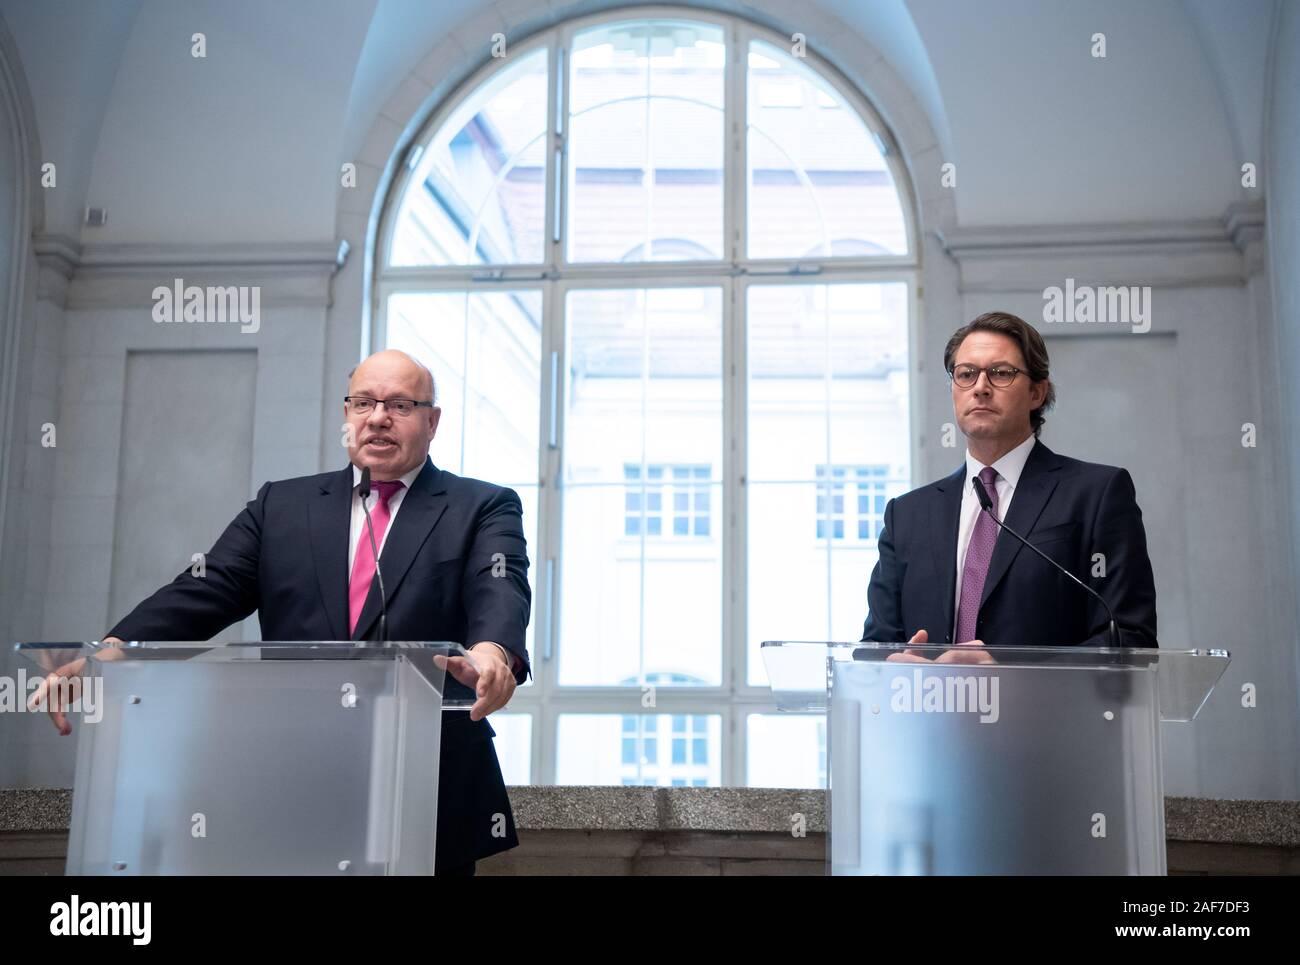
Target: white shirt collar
{"type": "Point", "coordinates": [1009, 467]}
{"type": "Point", "coordinates": [407, 479]}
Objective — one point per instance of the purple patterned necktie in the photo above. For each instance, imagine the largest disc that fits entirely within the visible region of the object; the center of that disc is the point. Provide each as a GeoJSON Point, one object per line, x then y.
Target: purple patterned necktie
{"type": "Point", "coordinates": [976, 567]}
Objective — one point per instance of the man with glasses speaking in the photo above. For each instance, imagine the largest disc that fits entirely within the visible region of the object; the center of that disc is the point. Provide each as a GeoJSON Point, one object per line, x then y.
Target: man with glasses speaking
{"type": "Point", "coordinates": [948, 573]}
{"type": "Point", "coordinates": [454, 565]}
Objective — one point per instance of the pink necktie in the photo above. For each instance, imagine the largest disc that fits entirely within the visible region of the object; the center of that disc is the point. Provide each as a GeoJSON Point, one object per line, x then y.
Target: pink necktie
{"type": "Point", "coordinates": [976, 567]}
{"type": "Point", "coordinates": [363, 565]}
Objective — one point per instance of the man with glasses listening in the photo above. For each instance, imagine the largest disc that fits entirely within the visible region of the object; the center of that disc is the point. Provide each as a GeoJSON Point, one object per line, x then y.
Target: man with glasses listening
{"type": "Point", "coordinates": [455, 568]}
{"type": "Point", "coordinates": [948, 574]}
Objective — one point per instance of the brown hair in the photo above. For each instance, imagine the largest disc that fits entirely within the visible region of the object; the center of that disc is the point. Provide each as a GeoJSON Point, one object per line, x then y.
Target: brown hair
{"type": "Point", "coordinates": [1032, 347]}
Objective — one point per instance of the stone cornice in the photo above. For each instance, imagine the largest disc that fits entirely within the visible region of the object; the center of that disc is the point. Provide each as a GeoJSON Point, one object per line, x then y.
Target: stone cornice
{"type": "Point", "coordinates": [112, 275]}
{"type": "Point", "coordinates": [1194, 252]}
{"type": "Point", "coordinates": [59, 253]}
{"type": "Point", "coordinates": [280, 257]}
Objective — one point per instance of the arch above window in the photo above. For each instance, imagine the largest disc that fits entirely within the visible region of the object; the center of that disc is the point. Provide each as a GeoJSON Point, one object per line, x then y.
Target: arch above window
{"type": "Point", "coordinates": [605, 141]}
{"type": "Point", "coordinates": [476, 194]}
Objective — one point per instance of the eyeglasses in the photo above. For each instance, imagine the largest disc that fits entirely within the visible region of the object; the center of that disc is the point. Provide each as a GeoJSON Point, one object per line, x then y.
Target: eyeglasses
{"type": "Point", "coordinates": [362, 405]}
{"type": "Point", "coordinates": [966, 375]}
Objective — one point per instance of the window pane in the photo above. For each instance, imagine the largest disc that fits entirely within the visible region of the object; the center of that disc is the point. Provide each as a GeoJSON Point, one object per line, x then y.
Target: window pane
{"type": "Point", "coordinates": [788, 572]}
{"type": "Point", "coordinates": [479, 192]}
{"type": "Point", "coordinates": [590, 750]}
{"type": "Point", "coordinates": [645, 147]}
{"type": "Point", "coordinates": [514, 744]}
{"type": "Point", "coordinates": [645, 389]}
{"type": "Point", "coordinates": [817, 183]}
{"type": "Point", "coordinates": [786, 750]}
{"type": "Point", "coordinates": [828, 396]}
{"type": "Point", "coordinates": [484, 351]}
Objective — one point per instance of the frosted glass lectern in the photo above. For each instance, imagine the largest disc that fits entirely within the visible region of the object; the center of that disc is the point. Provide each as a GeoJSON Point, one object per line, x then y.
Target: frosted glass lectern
{"type": "Point", "coordinates": [962, 760]}
{"type": "Point", "coordinates": [256, 758]}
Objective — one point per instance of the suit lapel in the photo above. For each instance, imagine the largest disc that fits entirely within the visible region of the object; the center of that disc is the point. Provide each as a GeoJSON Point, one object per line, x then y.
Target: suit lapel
{"type": "Point", "coordinates": [944, 537]}
{"type": "Point", "coordinates": [1032, 492]}
{"type": "Point", "coordinates": [329, 518]}
{"type": "Point", "coordinates": [419, 513]}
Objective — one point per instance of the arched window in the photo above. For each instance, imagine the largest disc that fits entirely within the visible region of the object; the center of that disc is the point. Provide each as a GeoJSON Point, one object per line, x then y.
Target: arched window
{"type": "Point", "coordinates": [664, 272]}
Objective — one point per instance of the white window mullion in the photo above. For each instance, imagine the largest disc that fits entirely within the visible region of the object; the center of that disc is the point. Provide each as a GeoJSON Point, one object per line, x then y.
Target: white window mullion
{"type": "Point", "coordinates": [735, 563]}
{"type": "Point", "coordinates": [733, 164]}
{"type": "Point", "coordinates": [732, 522]}
{"type": "Point", "coordinates": [916, 394]}
{"type": "Point", "coordinates": [547, 724]}
{"type": "Point", "coordinates": [379, 320]}
{"type": "Point", "coordinates": [551, 496]}
{"type": "Point", "coordinates": [557, 153]}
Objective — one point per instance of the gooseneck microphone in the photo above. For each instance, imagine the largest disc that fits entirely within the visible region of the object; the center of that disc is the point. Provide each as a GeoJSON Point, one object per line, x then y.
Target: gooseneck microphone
{"type": "Point", "coordinates": [364, 491]}
{"type": "Point", "coordinates": [986, 505]}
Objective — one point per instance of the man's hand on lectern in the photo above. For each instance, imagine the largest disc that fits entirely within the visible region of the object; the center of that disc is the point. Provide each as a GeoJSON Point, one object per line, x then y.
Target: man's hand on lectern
{"type": "Point", "coordinates": [909, 656]}
{"type": "Point", "coordinates": [488, 673]}
{"type": "Point", "coordinates": [948, 656]}
{"type": "Point", "coordinates": [970, 652]}
{"type": "Point", "coordinates": [62, 687]}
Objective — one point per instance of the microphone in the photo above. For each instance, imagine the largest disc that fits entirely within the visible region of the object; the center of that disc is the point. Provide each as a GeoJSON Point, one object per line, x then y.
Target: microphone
{"type": "Point", "coordinates": [364, 491]}
{"type": "Point", "coordinates": [986, 505]}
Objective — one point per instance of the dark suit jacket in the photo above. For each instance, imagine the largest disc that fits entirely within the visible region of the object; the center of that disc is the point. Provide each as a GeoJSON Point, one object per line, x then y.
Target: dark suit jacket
{"type": "Point", "coordinates": [1069, 510]}
{"type": "Point", "coordinates": [286, 556]}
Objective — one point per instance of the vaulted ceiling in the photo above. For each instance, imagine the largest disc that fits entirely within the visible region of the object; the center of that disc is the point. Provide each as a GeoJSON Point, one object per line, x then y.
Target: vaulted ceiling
{"type": "Point", "coordinates": [246, 143]}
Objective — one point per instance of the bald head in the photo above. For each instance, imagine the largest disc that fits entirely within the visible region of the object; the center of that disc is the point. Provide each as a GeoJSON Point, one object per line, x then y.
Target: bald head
{"type": "Point", "coordinates": [395, 357]}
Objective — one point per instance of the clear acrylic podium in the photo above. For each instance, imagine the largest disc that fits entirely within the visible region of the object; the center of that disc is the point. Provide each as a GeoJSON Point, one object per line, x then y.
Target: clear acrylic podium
{"type": "Point", "coordinates": [256, 758]}
{"type": "Point", "coordinates": [964, 760]}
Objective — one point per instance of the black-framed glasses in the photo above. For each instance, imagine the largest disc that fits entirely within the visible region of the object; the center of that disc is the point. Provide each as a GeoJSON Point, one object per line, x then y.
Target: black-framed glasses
{"type": "Point", "coordinates": [361, 404]}
{"type": "Point", "coordinates": [966, 375]}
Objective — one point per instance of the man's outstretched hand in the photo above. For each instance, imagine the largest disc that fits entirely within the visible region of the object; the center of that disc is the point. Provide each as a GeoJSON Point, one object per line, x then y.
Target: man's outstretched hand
{"type": "Point", "coordinates": [488, 673]}
{"type": "Point", "coordinates": [62, 687]}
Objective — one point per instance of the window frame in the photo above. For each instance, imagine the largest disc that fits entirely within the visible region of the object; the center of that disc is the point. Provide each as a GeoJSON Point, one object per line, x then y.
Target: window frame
{"type": "Point", "coordinates": [734, 699]}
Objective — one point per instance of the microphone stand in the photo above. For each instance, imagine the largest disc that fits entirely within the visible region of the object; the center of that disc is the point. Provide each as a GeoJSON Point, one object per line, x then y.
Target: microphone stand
{"type": "Point", "coordinates": [986, 505]}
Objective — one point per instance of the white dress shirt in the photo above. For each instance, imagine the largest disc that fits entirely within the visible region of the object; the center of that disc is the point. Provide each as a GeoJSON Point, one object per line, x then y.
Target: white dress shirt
{"type": "Point", "coordinates": [358, 527]}
{"type": "Point", "coordinates": [1008, 468]}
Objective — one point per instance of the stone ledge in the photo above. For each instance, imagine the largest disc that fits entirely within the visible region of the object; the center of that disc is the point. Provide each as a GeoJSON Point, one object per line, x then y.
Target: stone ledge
{"type": "Point", "coordinates": [732, 810]}
{"type": "Point", "coordinates": [35, 809]}
{"type": "Point", "coordinates": [558, 807]}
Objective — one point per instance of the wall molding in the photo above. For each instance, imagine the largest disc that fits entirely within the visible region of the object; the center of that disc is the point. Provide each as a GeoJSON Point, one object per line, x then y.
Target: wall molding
{"type": "Point", "coordinates": [443, 72]}
{"type": "Point", "coordinates": [264, 255]}
{"type": "Point", "coordinates": [1199, 252]}
{"type": "Point", "coordinates": [59, 253]}
{"type": "Point", "coordinates": [56, 260]}
{"type": "Point", "coordinates": [1244, 222]}
{"type": "Point", "coordinates": [124, 275]}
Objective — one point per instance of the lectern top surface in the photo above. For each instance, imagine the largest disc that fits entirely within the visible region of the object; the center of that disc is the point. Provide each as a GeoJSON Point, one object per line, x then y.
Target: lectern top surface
{"type": "Point", "coordinates": [801, 672]}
